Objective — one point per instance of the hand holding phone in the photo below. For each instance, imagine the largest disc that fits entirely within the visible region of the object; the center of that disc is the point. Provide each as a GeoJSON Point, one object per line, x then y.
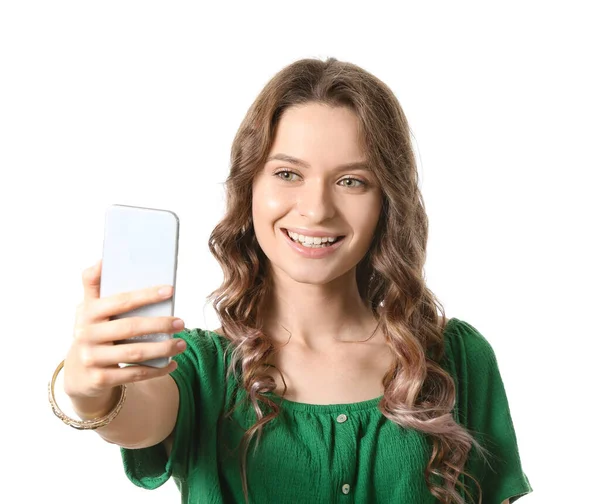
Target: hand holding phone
{"type": "Point", "coordinates": [92, 370]}
{"type": "Point", "coordinates": [124, 319]}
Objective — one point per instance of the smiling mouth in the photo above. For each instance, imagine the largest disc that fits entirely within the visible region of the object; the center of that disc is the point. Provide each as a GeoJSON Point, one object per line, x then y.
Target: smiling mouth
{"type": "Point", "coordinates": [312, 241]}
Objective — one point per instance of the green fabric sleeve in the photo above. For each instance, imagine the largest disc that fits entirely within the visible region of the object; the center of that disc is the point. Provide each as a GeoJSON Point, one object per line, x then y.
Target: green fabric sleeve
{"type": "Point", "coordinates": [200, 381]}
{"type": "Point", "coordinates": [482, 406]}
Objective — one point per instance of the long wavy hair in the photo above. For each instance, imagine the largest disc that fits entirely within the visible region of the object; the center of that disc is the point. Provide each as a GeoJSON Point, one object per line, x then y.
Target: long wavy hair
{"type": "Point", "coordinates": [419, 394]}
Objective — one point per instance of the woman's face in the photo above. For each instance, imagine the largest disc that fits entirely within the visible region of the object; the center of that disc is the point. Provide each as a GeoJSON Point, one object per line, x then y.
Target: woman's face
{"type": "Point", "coordinates": [308, 190]}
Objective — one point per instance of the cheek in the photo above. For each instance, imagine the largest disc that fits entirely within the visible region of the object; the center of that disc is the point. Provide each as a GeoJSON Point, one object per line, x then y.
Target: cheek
{"type": "Point", "coordinates": [364, 218]}
{"type": "Point", "coordinates": [268, 205]}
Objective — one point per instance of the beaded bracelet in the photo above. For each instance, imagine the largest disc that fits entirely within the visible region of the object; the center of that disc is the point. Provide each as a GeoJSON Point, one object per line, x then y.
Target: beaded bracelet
{"type": "Point", "coordinates": [83, 424]}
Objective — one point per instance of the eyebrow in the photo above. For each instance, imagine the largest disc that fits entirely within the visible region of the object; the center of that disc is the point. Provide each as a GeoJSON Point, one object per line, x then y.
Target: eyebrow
{"type": "Point", "coordinates": [357, 165]}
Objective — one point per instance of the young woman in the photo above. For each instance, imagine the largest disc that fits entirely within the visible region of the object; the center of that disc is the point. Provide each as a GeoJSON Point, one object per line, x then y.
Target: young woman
{"type": "Point", "coordinates": [333, 377]}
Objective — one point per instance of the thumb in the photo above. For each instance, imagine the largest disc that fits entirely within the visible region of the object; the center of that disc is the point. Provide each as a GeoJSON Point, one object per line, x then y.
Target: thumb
{"type": "Point", "coordinates": [91, 281]}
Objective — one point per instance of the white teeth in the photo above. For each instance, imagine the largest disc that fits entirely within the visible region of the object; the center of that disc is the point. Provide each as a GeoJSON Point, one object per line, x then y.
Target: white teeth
{"type": "Point", "coordinates": [311, 241]}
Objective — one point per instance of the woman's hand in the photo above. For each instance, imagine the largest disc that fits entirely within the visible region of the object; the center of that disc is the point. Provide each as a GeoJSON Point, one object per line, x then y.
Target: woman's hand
{"type": "Point", "coordinates": [91, 370]}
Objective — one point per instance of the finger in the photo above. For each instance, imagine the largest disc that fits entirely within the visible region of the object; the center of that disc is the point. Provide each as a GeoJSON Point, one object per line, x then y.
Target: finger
{"type": "Point", "coordinates": [91, 281]}
{"type": "Point", "coordinates": [128, 327]}
{"type": "Point", "coordinates": [132, 353]}
{"type": "Point", "coordinates": [113, 377]}
{"type": "Point", "coordinates": [106, 307]}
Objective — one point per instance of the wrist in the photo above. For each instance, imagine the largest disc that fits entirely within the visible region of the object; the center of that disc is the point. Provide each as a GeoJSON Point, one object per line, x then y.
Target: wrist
{"type": "Point", "coordinates": [89, 408]}
{"type": "Point", "coordinates": [85, 408]}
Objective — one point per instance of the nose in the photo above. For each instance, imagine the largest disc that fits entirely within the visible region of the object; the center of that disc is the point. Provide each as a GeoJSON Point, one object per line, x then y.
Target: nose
{"type": "Point", "coordinates": [316, 201]}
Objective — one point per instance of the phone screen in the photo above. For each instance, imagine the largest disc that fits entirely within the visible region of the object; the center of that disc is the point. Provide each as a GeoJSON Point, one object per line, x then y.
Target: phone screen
{"type": "Point", "coordinates": [140, 250]}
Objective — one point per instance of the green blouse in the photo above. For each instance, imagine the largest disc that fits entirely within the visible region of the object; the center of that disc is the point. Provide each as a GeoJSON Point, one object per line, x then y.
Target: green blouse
{"type": "Point", "coordinates": [345, 453]}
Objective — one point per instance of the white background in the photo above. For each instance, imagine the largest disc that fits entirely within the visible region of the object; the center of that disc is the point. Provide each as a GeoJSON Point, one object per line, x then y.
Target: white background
{"type": "Point", "coordinates": [137, 103]}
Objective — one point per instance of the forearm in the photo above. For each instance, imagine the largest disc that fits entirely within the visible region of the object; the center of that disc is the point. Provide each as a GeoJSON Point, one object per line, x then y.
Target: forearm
{"type": "Point", "coordinates": [147, 417]}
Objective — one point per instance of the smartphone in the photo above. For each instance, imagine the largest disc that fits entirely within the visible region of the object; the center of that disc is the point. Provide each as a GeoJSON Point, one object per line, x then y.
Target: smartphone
{"type": "Point", "coordinates": [140, 250]}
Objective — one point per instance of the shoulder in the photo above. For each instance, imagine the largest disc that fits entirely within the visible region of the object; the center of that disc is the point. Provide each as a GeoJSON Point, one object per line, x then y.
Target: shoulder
{"type": "Point", "coordinates": [203, 340]}
{"type": "Point", "coordinates": [459, 333]}
{"type": "Point", "coordinates": [206, 353]}
{"type": "Point", "coordinates": [471, 361]}
{"type": "Point", "coordinates": [201, 372]}
{"type": "Point", "coordinates": [465, 347]}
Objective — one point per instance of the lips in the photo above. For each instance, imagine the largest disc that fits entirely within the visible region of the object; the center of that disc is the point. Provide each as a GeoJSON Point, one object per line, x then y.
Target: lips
{"type": "Point", "coordinates": [313, 252]}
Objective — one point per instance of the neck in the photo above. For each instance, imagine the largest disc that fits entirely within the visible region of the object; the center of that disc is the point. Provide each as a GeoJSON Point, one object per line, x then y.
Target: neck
{"type": "Point", "coordinates": [317, 315]}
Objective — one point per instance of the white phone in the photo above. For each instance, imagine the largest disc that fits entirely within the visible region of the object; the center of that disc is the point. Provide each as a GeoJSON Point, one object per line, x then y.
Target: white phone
{"type": "Point", "coordinates": [140, 250]}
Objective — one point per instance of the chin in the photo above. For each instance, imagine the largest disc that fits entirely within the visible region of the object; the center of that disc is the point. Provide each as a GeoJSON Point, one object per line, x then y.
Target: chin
{"type": "Point", "coordinates": [309, 274]}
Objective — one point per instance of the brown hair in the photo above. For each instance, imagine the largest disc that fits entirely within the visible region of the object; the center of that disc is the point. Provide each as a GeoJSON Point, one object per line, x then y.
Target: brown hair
{"type": "Point", "coordinates": [419, 393]}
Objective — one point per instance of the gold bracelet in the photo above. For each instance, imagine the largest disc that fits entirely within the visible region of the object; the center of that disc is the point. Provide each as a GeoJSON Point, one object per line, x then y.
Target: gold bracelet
{"type": "Point", "coordinates": [83, 424]}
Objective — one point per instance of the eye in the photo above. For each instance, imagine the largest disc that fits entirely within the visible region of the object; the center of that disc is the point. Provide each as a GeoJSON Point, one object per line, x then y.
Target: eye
{"type": "Point", "coordinates": [286, 175]}
{"type": "Point", "coordinates": [352, 182]}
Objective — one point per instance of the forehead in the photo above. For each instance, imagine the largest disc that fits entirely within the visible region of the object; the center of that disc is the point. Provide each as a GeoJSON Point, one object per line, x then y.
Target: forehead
{"type": "Point", "coordinates": [320, 134]}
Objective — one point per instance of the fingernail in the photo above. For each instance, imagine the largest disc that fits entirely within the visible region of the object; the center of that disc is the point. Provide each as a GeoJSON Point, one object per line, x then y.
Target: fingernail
{"type": "Point", "coordinates": [165, 291]}
{"type": "Point", "coordinates": [178, 324]}
{"type": "Point", "coordinates": [181, 345]}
